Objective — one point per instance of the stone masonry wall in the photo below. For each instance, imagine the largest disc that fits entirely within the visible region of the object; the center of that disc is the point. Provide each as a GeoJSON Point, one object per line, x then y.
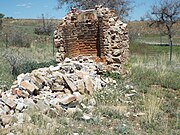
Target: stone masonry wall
{"type": "Point", "coordinates": [95, 32]}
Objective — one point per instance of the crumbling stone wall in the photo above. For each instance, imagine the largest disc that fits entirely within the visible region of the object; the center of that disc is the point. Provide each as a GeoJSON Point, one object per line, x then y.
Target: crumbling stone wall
{"type": "Point", "coordinates": [97, 33]}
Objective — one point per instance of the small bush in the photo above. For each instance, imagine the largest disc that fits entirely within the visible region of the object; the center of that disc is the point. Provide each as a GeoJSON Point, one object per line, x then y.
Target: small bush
{"type": "Point", "coordinates": [19, 39]}
{"type": "Point", "coordinates": [29, 66]}
{"type": "Point", "coordinates": [113, 75]}
{"type": "Point", "coordinates": [47, 30]}
{"type": "Point", "coordinates": [13, 58]}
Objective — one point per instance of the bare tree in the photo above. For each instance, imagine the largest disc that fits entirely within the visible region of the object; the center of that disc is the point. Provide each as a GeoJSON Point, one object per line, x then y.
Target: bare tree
{"type": "Point", "coordinates": [122, 7]}
{"type": "Point", "coordinates": [15, 58]}
{"type": "Point", "coordinates": [167, 13]}
{"type": "Point", "coordinates": [46, 28]}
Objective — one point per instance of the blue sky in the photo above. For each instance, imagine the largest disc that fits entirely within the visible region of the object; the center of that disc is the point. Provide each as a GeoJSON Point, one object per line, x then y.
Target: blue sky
{"type": "Point", "coordinates": [35, 8]}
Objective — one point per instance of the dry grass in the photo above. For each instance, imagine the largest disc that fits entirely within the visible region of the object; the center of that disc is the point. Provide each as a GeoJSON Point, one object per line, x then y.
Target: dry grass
{"type": "Point", "coordinates": [152, 104]}
{"type": "Point", "coordinates": [157, 95]}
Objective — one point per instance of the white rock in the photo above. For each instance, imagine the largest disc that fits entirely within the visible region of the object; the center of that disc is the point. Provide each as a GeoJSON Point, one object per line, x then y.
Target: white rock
{"type": "Point", "coordinates": [98, 84]}
{"type": "Point", "coordinates": [10, 133]}
{"type": "Point", "coordinates": [20, 117]}
{"type": "Point", "coordinates": [52, 68]}
{"type": "Point", "coordinates": [67, 60]}
{"type": "Point", "coordinates": [87, 116]}
{"type": "Point", "coordinates": [129, 95]}
{"type": "Point", "coordinates": [23, 77]}
{"type": "Point", "coordinates": [6, 109]}
{"type": "Point", "coordinates": [29, 102]}
{"type": "Point", "coordinates": [54, 101]}
{"type": "Point", "coordinates": [134, 91]}
{"type": "Point", "coordinates": [138, 114]}
{"type": "Point", "coordinates": [71, 110]}
{"type": "Point", "coordinates": [2, 111]}
{"type": "Point", "coordinates": [20, 106]}
{"type": "Point", "coordinates": [129, 87]}
{"type": "Point", "coordinates": [78, 96]}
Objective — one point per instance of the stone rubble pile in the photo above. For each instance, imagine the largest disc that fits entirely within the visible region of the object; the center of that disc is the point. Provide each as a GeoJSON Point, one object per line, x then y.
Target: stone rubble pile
{"type": "Point", "coordinates": [60, 87]}
{"type": "Point", "coordinates": [96, 32]}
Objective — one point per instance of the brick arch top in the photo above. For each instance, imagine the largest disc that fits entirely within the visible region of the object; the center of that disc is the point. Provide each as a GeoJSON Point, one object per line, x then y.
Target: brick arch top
{"type": "Point", "coordinates": [95, 32]}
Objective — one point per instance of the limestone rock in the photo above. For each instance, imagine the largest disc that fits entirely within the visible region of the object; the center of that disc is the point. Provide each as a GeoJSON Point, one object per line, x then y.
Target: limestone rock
{"type": "Point", "coordinates": [9, 101]}
{"type": "Point", "coordinates": [20, 106]}
{"type": "Point", "coordinates": [29, 102]}
{"type": "Point", "coordinates": [27, 86]}
{"type": "Point", "coordinates": [6, 119]}
{"type": "Point", "coordinates": [54, 101]}
{"type": "Point", "coordinates": [70, 84]}
{"type": "Point", "coordinates": [89, 85]}
{"type": "Point", "coordinates": [67, 99]}
{"type": "Point", "coordinates": [87, 116]}
{"type": "Point", "coordinates": [42, 105]}
{"type": "Point", "coordinates": [58, 88]}
{"type": "Point", "coordinates": [81, 86]}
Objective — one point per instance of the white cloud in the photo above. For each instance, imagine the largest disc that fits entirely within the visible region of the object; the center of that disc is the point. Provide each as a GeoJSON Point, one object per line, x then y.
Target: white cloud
{"type": "Point", "coordinates": [26, 5]}
{"type": "Point", "coordinates": [21, 5]}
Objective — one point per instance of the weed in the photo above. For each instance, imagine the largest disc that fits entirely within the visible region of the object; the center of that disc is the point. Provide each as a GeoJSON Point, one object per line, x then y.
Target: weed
{"type": "Point", "coordinates": [124, 128]}
{"type": "Point", "coordinates": [113, 75]}
{"type": "Point", "coordinates": [151, 107]}
{"type": "Point", "coordinates": [30, 66]}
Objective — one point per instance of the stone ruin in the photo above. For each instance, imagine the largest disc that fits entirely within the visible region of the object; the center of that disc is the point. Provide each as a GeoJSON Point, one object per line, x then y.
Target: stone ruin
{"type": "Point", "coordinates": [95, 41]}
{"type": "Point", "coordinates": [97, 33]}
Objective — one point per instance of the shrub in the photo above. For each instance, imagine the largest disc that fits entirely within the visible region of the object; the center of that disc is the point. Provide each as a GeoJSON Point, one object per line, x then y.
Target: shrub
{"type": "Point", "coordinates": [13, 59]}
{"type": "Point", "coordinates": [19, 39]}
{"type": "Point", "coordinates": [44, 30]}
{"type": "Point", "coordinates": [114, 75]}
{"type": "Point", "coordinates": [29, 66]}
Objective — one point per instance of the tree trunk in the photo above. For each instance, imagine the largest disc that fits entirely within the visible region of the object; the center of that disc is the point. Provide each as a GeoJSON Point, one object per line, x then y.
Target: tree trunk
{"type": "Point", "coordinates": [44, 25]}
{"type": "Point", "coordinates": [160, 37]}
{"type": "Point", "coordinates": [13, 70]}
{"type": "Point", "coordinates": [1, 22]}
{"type": "Point", "coordinates": [170, 43]}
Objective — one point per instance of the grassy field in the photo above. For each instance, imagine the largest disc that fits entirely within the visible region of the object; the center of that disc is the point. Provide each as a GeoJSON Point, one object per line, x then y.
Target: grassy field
{"type": "Point", "coordinates": [143, 33]}
{"type": "Point", "coordinates": [146, 102]}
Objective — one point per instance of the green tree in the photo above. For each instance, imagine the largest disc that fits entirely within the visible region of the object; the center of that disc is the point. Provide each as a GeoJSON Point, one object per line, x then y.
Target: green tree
{"type": "Point", "coordinates": [1, 15]}
{"type": "Point", "coordinates": [122, 7]}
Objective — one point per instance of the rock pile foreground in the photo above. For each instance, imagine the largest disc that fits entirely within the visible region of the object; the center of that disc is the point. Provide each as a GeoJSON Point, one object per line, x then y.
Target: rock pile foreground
{"type": "Point", "coordinates": [60, 87]}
